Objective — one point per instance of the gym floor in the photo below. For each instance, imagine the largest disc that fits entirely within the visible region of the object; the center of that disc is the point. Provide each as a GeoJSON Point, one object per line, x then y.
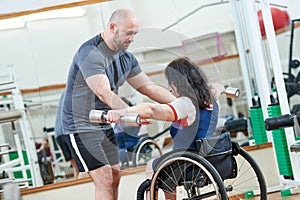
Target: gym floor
{"type": "Point", "coordinates": [277, 196]}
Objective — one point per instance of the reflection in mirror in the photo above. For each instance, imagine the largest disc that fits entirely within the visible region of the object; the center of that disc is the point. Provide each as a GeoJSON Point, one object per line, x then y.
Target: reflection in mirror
{"type": "Point", "coordinates": [37, 55]}
{"type": "Point", "coordinates": [41, 51]}
{"type": "Point", "coordinates": [42, 46]}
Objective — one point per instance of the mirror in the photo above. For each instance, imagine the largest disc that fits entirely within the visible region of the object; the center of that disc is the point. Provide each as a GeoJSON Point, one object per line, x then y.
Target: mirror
{"type": "Point", "coordinates": [40, 51]}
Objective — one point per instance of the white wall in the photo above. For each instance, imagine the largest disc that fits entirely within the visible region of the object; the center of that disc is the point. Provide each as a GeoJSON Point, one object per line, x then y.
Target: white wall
{"type": "Point", "coordinates": [8, 6]}
{"type": "Point", "coordinates": [42, 51]}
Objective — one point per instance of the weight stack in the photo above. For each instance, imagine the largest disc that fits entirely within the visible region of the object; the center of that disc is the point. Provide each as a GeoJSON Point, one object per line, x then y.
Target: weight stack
{"type": "Point", "coordinates": [280, 144]}
{"type": "Point", "coordinates": [258, 125]}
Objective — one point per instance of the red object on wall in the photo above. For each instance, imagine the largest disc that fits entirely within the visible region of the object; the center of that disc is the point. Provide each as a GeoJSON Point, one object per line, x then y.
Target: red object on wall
{"type": "Point", "coordinates": [280, 19]}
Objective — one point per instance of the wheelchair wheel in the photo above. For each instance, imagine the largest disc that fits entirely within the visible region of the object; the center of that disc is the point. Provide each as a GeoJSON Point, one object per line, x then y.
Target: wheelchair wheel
{"type": "Point", "coordinates": [249, 180]}
{"type": "Point", "coordinates": [186, 175]}
{"type": "Point", "coordinates": [145, 151]}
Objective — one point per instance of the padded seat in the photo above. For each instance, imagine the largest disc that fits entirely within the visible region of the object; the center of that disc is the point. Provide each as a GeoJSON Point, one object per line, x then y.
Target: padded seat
{"type": "Point", "coordinates": [295, 147]}
{"type": "Point", "coordinates": [10, 116]}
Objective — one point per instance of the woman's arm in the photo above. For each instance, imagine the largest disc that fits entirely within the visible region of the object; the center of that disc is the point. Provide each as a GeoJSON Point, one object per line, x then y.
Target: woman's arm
{"type": "Point", "coordinates": [217, 89]}
{"type": "Point", "coordinates": [161, 112]}
{"type": "Point", "coordinates": [178, 109]}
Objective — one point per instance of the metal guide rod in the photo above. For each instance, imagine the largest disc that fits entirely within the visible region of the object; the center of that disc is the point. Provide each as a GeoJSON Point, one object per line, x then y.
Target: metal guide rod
{"type": "Point", "coordinates": [204, 6]}
{"type": "Point", "coordinates": [192, 12]}
{"type": "Point", "coordinates": [237, 22]}
{"type": "Point", "coordinates": [257, 55]}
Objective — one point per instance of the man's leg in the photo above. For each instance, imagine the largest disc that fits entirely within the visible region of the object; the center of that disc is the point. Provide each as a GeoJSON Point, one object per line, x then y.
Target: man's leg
{"type": "Point", "coordinates": [116, 178]}
{"type": "Point", "coordinates": [76, 172]}
{"type": "Point", "coordinates": [103, 180]}
{"type": "Point", "coordinates": [83, 175]}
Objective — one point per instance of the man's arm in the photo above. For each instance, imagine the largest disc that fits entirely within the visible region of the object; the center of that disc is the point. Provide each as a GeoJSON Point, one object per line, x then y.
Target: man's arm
{"type": "Point", "coordinates": [99, 84]}
{"type": "Point", "coordinates": [144, 85]}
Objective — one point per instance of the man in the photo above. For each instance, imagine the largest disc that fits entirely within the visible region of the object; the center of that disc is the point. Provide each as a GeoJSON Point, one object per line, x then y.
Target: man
{"type": "Point", "coordinates": [99, 68]}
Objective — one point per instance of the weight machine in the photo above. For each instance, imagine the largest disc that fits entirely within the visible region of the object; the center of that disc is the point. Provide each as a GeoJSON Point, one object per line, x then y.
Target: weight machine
{"type": "Point", "coordinates": [253, 56]}
{"type": "Point", "coordinates": [19, 157]}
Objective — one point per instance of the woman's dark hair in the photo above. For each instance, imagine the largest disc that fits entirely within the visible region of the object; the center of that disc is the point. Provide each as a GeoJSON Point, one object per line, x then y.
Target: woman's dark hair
{"type": "Point", "coordinates": [190, 81]}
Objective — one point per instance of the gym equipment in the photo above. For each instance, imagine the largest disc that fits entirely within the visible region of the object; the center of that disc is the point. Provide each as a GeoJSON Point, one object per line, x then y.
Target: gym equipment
{"type": "Point", "coordinates": [238, 125]}
{"type": "Point", "coordinates": [282, 121]}
{"type": "Point", "coordinates": [145, 148]}
{"type": "Point", "coordinates": [99, 116]}
{"type": "Point", "coordinates": [11, 191]}
{"type": "Point", "coordinates": [232, 92]}
{"type": "Point", "coordinates": [191, 174]}
{"type": "Point", "coordinates": [257, 122]}
{"type": "Point", "coordinates": [264, 55]}
{"type": "Point", "coordinates": [292, 83]}
{"type": "Point", "coordinates": [277, 124]}
{"type": "Point", "coordinates": [280, 19]}
{"type": "Point", "coordinates": [285, 121]}
{"type": "Point", "coordinates": [19, 159]}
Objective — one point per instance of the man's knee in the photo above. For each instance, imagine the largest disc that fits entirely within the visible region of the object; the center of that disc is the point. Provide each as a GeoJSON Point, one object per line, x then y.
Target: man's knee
{"type": "Point", "coordinates": [102, 177]}
{"type": "Point", "coordinates": [116, 174]}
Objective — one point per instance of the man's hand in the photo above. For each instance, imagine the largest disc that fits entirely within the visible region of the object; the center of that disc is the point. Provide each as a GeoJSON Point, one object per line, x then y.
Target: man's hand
{"type": "Point", "coordinates": [114, 116]}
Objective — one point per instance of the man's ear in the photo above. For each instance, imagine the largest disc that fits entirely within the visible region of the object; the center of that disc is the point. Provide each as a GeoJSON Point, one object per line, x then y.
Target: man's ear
{"type": "Point", "coordinates": [112, 27]}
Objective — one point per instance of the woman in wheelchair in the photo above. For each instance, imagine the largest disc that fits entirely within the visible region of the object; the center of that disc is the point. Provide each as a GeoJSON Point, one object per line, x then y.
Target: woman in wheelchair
{"type": "Point", "coordinates": [195, 111]}
{"type": "Point", "coordinates": [194, 115]}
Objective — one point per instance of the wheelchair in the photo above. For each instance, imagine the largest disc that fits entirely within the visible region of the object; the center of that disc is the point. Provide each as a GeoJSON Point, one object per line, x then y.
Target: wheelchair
{"type": "Point", "coordinates": [199, 174]}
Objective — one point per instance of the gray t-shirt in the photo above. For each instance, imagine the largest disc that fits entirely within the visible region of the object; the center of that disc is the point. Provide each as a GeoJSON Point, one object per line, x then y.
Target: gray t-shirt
{"type": "Point", "coordinates": [58, 121]}
{"type": "Point", "coordinates": [93, 57]}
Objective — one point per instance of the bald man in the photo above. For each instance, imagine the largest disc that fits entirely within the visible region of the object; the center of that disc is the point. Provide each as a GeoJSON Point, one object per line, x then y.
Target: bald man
{"type": "Point", "coordinates": [99, 68]}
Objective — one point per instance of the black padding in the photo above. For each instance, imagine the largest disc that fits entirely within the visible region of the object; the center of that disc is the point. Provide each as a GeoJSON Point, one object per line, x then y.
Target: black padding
{"type": "Point", "coordinates": [279, 122]}
{"type": "Point", "coordinates": [236, 125]}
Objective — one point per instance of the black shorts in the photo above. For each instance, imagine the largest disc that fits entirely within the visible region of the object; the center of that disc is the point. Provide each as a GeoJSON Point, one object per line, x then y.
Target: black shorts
{"type": "Point", "coordinates": [64, 147]}
{"type": "Point", "coordinates": [94, 149]}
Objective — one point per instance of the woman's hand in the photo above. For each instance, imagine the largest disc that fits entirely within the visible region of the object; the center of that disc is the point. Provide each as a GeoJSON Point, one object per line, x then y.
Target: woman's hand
{"type": "Point", "coordinates": [217, 89]}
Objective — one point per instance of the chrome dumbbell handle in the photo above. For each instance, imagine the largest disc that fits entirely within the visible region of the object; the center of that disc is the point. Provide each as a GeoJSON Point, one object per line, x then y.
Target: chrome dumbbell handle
{"type": "Point", "coordinates": [232, 92]}
{"type": "Point", "coordinates": [130, 119]}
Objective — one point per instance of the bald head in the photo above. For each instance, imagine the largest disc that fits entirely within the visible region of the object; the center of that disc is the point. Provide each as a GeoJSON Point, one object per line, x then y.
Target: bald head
{"type": "Point", "coordinates": [121, 29]}
{"type": "Point", "coordinates": [120, 15]}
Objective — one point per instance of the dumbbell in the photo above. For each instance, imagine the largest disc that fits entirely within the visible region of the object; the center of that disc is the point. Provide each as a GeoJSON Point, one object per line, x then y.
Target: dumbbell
{"type": "Point", "coordinates": [129, 119]}
{"type": "Point", "coordinates": [232, 92]}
